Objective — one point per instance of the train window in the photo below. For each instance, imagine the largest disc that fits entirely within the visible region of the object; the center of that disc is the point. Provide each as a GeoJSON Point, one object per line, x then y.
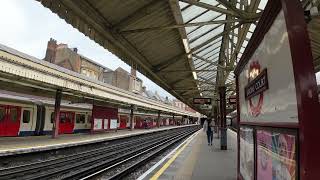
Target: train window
{"type": "Point", "coordinates": [13, 114]}
{"type": "Point", "coordinates": [80, 118]}
{"type": "Point", "coordinates": [26, 116]}
{"type": "Point", "coordinates": [62, 117]}
{"type": "Point", "coordinates": [2, 113]}
{"type": "Point", "coordinates": [89, 119]}
{"type": "Point", "coordinates": [52, 117]}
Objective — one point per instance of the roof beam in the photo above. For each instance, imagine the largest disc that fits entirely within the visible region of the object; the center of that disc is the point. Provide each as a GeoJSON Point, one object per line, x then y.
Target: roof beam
{"type": "Point", "coordinates": [139, 30]}
{"type": "Point", "coordinates": [210, 7]}
{"type": "Point", "coordinates": [215, 37]}
{"type": "Point", "coordinates": [242, 14]}
{"type": "Point", "coordinates": [242, 35]}
{"type": "Point", "coordinates": [163, 65]}
{"type": "Point", "coordinates": [201, 90]}
{"type": "Point", "coordinates": [211, 63]}
{"type": "Point", "coordinates": [138, 14]}
{"type": "Point", "coordinates": [183, 70]}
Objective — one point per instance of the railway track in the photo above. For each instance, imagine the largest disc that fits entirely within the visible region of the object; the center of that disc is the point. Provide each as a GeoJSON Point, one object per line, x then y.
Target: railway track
{"type": "Point", "coordinates": [104, 160]}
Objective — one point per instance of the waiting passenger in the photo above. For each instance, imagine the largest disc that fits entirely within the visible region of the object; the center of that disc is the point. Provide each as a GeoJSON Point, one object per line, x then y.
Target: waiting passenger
{"type": "Point", "coordinates": [207, 127]}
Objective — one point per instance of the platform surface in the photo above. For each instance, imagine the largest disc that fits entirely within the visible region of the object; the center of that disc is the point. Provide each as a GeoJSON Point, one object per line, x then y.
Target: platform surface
{"type": "Point", "coordinates": [198, 161]}
{"type": "Point", "coordinates": [19, 145]}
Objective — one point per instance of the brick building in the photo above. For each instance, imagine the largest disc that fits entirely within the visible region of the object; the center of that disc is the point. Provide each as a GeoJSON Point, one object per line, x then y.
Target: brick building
{"type": "Point", "coordinates": [69, 58]}
{"type": "Point", "coordinates": [124, 80]}
{"type": "Point", "coordinates": [62, 55]}
{"type": "Point", "coordinates": [183, 106]}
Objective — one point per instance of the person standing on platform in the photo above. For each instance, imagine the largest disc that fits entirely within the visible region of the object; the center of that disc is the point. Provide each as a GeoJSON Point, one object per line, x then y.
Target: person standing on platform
{"type": "Point", "coordinates": [207, 127]}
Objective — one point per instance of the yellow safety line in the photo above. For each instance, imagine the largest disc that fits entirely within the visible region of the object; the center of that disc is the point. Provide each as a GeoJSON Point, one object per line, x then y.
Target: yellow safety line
{"type": "Point", "coordinates": [168, 163]}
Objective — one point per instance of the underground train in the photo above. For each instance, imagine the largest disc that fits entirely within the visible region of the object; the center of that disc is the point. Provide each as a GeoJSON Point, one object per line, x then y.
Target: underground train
{"type": "Point", "coordinates": [233, 122]}
{"type": "Point", "coordinates": [23, 115]}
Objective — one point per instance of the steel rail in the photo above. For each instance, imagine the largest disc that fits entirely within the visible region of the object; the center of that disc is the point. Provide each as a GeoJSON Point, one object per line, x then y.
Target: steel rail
{"type": "Point", "coordinates": [91, 157]}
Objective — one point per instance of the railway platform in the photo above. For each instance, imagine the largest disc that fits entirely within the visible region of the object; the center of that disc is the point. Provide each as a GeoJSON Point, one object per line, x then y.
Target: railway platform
{"type": "Point", "coordinates": [21, 145]}
{"type": "Point", "coordinates": [194, 159]}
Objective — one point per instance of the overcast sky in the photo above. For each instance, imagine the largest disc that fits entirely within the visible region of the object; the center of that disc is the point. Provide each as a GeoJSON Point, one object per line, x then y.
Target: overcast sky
{"type": "Point", "coordinates": [27, 26]}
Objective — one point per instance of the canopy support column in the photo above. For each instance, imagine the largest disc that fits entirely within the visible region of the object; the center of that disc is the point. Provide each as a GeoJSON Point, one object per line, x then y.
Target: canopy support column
{"type": "Point", "coordinates": [55, 127]}
{"type": "Point", "coordinates": [131, 118]}
{"type": "Point", "coordinates": [223, 140]}
{"type": "Point", "coordinates": [158, 120]}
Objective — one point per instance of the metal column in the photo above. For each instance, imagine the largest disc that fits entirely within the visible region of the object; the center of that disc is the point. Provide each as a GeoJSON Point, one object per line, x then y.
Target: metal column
{"type": "Point", "coordinates": [131, 118]}
{"type": "Point", "coordinates": [158, 119]}
{"type": "Point", "coordinates": [55, 127]}
{"type": "Point", "coordinates": [174, 123]}
{"type": "Point", "coordinates": [223, 140]}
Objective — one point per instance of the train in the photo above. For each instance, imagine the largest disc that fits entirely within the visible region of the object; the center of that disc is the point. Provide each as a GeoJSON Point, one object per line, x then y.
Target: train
{"type": "Point", "coordinates": [26, 115]}
{"type": "Point", "coordinates": [232, 119]}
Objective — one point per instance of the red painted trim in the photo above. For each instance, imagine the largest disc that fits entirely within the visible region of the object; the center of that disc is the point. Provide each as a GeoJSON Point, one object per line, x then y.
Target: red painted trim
{"type": "Point", "coordinates": [275, 125]}
{"type": "Point", "coordinates": [306, 89]}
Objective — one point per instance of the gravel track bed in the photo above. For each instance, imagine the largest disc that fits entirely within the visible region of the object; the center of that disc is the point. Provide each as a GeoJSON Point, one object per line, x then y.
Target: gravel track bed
{"type": "Point", "coordinates": [114, 149]}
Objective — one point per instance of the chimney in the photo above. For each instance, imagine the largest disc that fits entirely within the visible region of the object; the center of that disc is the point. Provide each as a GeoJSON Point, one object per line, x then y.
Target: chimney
{"type": "Point", "coordinates": [51, 51]}
{"type": "Point", "coordinates": [133, 72]}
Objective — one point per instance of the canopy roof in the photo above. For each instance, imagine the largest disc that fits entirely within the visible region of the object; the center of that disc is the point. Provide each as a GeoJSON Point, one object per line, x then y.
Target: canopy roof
{"type": "Point", "coordinates": [188, 47]}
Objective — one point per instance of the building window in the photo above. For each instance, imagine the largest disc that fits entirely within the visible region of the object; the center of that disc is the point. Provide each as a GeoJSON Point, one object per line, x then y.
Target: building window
{"type": "Point", "coordinates": [26, 116]}
{"type": "Point", "coordinates": [62, 117]}
{"type": "Point", "coordinates": [13, 114]}
{"type": "Point", "coordinates": [80, 118]}
{"type": "Point", "coordinates": [2, 113]}
{"type": "Point", "coordinates": [89, 119]}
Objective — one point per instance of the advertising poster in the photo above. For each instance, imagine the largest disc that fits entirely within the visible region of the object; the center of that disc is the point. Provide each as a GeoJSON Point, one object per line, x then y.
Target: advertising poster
{"type": "Point", "coordinates": [276, 156]}
{"type": "Point", "coordinates": [106, 124]}
{"type": "Point", "coordinates": [246, 153]}
{"type": "Point", "coordinates": [97, 124]}
{"type": "Point", "coordinates": [113, 123]}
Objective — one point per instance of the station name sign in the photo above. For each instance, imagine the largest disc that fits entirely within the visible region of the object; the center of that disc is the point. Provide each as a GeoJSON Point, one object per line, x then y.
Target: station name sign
{"type": "Point", "coordinates": [232, 100]}
{"type": "Point", "coordinates": [257, 85]}
{"type": "Point", "coordinates": [201, 100]}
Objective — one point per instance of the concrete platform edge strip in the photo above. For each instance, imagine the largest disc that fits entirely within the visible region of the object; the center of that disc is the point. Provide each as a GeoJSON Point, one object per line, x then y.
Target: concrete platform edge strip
{"type": "Point", "coordinates": [84, 142]}
{"type": "Point", "coordinates": [144, 175]}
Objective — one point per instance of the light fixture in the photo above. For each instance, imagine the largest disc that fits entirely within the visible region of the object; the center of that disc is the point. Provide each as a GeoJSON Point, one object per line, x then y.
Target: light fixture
{"type": "Point", "coordinates": [201, 94]}
{"type": "Point", "coordinates": [194, 75]}
{"type": "Point", "coordinates": [198, 86]}
{"type": "Point", "coordinates": [186, 45]}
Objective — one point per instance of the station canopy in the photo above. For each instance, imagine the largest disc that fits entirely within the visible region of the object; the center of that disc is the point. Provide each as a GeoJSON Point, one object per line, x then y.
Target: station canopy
{"type": "Point", "coordinates": [188, 47]}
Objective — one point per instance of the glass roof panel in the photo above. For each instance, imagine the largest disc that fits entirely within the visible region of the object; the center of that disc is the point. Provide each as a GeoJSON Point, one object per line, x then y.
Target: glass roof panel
{"type": "Point", "coordinates": [208, 16]}
{"type": "Point", "coordinates": [211, 2]}
{"type": "Point", "coordinates": [201, 31]}
{"type": "Point", "coordinates": [209, 49]}
{"type": "Point", "coordinates": [183, 4]}
{"type": "Point", "coordinates": [210, 44]}
{"type": "Point", "coordinates": [206, 37]}
{"type": "Point", "coordinates": [262, 4]}
{"type": "Point", "coordinates": [191, 12]}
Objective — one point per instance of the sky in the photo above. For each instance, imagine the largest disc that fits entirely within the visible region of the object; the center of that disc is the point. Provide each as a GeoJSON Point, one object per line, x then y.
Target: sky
{"type": "Point", "coordinates": [27, 26]}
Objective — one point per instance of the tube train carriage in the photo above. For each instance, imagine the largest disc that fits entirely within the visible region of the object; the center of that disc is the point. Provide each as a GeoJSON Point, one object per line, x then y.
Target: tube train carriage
{"type": "Point", "coordinates": [232, 120]}
{"type": "Point", "coordinates": [29, 115]}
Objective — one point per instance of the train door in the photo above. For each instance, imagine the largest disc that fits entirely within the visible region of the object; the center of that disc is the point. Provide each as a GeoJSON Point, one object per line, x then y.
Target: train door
{"type": "Point", "coordinates": [9, 120]}
{"type": "Point", "coordinates": [3, 116]}
{"type": "Point", "coordinates": [66, 124]}
{"type": "Point", "coordinates": [123, 121]}
{"type": "Point", "coordinates": [26, 123]}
